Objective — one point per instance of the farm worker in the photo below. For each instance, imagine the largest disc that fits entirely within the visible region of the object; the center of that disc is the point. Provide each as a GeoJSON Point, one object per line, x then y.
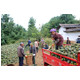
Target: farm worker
{"type": "Point", "coordinates": [42, 42]}
{"type": "Point", "coordinates": [20, 51]}
{"type": "Point", "coordinates": [36, 45]}
{"type": "Point", "coordinates": [78, 40]}
{"type": "Point", "coordinates": [32, 49]}
{"type": "Point", "coordinates": [38, 42]}
{"type": "Point", "coordinates": [46, 46]}
{"type": "Point", "coordinates": [28, 43]}
{"type": "Point", "coordinates": [68, 41]}
{"type": "Point", "coordinates": [57, 38]}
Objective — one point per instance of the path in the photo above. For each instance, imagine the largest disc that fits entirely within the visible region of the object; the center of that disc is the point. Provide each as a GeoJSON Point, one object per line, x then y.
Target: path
{"type": "Point", "coordinates": [38, 59]}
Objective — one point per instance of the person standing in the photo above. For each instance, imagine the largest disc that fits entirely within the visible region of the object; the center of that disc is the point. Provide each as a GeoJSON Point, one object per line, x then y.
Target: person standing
{"type": "Point", "coordinates": [42, 42]}
{"type": "Point", "coordinates": [32, 49]}
{"type": "Point", "coordinates": [38, 42]}
{"type": "Point", "coordinates": [36, 45]}
{"type": "Point", "coordinates": [57, 38]}
{"type": "Point", "coordinates": [68, 41]}
{"type": "Point", "coordinates": [20, 52]}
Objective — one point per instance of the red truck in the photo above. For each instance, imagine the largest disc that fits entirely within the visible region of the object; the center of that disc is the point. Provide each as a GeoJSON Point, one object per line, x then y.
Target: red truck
{"type": "Point", "coordinates": [48, 59]}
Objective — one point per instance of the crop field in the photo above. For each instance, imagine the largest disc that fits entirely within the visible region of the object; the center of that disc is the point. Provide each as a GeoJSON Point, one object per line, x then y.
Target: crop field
{"type": "Point", "coordinates": [9, 54]}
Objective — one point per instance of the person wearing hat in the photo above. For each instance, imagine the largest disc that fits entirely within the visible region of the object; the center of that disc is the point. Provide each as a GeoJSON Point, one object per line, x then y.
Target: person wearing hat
{"type": "Point", "coordinates": [57, 38]}
{"type": "Point", "coordinates": [20, 51]}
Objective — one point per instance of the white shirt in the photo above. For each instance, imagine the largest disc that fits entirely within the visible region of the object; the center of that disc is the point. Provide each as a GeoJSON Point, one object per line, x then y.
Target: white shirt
{"type": "Point", "coordinates": [36, 44]}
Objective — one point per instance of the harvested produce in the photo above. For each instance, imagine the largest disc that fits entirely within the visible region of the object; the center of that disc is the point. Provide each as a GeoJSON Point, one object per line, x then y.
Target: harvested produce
{"type": "Point", "coordinates": [70, 51]}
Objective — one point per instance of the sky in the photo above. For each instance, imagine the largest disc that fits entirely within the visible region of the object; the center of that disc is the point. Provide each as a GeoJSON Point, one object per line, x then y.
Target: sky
{"type": "Point", "coordinates": [41, 10]}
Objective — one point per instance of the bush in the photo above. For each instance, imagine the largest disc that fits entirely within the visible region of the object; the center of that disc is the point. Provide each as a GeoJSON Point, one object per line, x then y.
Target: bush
{"type": "Point", "coordinates": [48, 41]}
{"type": "Point", "coordinates": [21, 40]}
{"type": "Point", "coordinates": [33, 39]}
{"type": "Point", "coordinates": [13, 41]}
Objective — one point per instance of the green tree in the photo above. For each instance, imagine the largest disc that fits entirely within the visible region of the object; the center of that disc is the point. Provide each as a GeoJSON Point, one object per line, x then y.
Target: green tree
{"type": "Point", "coordinates": [45, 30]}
{"type": "Point", "coordinates": [32, 22]}
{"type": "Point", "coordinates": [10, 32]}
{"type": "Point", "coordinates": [55, 21]}
{"type": "Point", "coordinates": [31, 26]}
{"type": "Point", "coordinates": [5, 18]}
{"type": "Point", "coordinates": [67, 18]}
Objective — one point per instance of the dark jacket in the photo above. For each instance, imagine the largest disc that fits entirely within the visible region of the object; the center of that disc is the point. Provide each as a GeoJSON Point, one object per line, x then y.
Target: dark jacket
{"type": "Point", "coordinates": [20, 51]}
{"type": "Point", "coordinates": [58, 38]}
{"type": "Point", "coordinates": [32, 50]}
{"type": "Point", "coordinates": [78, 41]}
{"type": "Point", "coordinates": [68, 42]}
{"type": "Point", "coordinates": [46, 47]}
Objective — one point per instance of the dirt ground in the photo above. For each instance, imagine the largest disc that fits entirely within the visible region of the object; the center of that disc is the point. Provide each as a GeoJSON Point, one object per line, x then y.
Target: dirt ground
{"type": "Point", "coordinates": [38, 59]}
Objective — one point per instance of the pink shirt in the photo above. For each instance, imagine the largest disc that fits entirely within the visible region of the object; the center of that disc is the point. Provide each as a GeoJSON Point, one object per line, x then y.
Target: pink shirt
{"type": "Point", "coordinates": [36, 44]}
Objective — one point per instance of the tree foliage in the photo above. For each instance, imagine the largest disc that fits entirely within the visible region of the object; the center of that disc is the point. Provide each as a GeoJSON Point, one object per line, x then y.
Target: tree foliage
{"type": "Point", "coordinates": [32, 22]}
{"type": "Point", "coordinates": [55, 21]}
{"type": "Point", "coordinates": [32, 30]}
{"type": "Point", "coordinates": [10, 32]}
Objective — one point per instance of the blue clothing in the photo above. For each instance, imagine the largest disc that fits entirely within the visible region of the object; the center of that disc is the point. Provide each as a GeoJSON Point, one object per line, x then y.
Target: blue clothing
{"type": "Point", "coordinates": [46, 47]}
{"type": "Point", "coordinates": [78, 41]}
{"type": "Point", "coordinates": [29, 42]}
{"type": "Point", "coordinates": [21, 61]}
